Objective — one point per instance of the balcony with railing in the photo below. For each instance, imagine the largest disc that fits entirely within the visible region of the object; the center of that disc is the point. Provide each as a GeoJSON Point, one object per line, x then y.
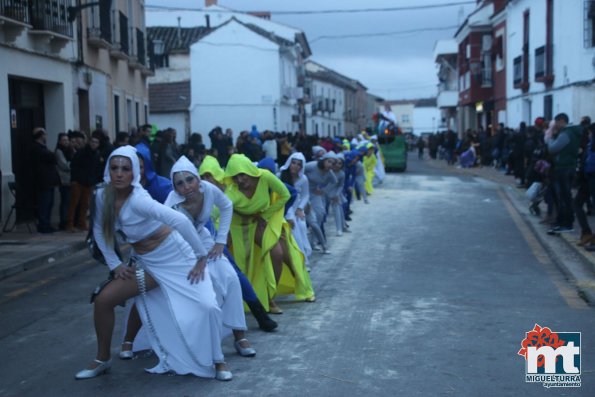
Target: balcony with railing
{"type": "Point", "coordinates": [544, 64]}
{"type": "Point", "coordinates": [99, 31]}
{"type": "Point", "coordinates": [14, 18]}
{"type": "Point", "coordinates": [45, 18]}
{"type": "Point", "coordinates": [50, 17]}
{"type": "Point", "coordinates": [518, 76]}
{"type": "Point", "coordinates": [17, 12]}
{"type": "Point", "coordinates": [140, 47]}
{"type": "Point", "coordinates": [120, 48]}
{"type": "Point", "coordinates": [137, 57]}
{"type": "Point", "coordinates": [486, 76]}
{"type": "Point", "coordinates": [448, 95]}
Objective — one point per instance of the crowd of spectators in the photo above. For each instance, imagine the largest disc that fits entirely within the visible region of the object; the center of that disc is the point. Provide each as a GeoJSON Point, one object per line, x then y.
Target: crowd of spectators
{"type": "Point", "coordinates": [78, 161]}
{"type": "Point", "coordinates": [553, 159]}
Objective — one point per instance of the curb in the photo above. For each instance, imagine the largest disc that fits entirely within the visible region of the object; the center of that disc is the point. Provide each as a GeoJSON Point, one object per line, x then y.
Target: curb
{"type": "Point", "coordinates": [43, 259]}
{"type": "Point", "coordinates": [584, 287]}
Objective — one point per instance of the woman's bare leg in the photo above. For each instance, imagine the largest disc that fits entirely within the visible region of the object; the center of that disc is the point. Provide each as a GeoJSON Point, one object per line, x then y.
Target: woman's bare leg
{"type": "Point", "coordinates": [133, 325]}
{"type": "Point", "coordinates": [116, 292]}
{"type": "Point", "coordinates": [277, 260]}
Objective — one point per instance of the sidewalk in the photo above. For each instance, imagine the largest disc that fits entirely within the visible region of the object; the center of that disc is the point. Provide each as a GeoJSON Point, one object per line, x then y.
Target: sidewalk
{"type": "Point", "coordinates": [582, 274]}
{"type": "Point", "coordinates": [21, 250]}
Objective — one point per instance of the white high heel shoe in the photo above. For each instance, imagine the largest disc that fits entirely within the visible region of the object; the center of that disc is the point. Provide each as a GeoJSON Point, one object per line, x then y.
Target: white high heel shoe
{"type": "Point", "coordinates": [244, 351]}
{"type": "Point", "coordinates": [102, 368]}
{"type": "Point", "coordinates": [126, 354]}
{"type": "Point", "coordinates": [223, 375]}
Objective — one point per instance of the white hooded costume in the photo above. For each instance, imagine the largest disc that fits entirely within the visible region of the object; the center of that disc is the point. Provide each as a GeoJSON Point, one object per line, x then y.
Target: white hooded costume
{"type": "Point", "coordinates": [183, 320]}
{"type": "Point", "coordinates": [300, 229]}
{"type": "Point", "coordinates": [224, 277]}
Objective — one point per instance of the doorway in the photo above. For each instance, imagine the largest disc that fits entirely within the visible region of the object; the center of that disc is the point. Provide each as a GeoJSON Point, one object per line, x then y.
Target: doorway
{"type": "Point", "coordinates": [84, 120]}
{"type": "Point", "coordinates": [26, 104]}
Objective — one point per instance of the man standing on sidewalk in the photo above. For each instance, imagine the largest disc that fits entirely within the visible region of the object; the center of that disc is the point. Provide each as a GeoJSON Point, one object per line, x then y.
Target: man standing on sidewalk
{"type": "Point", "coordinates": [46, 179]}
{"type": "Point", "coordinates": [565, 147]}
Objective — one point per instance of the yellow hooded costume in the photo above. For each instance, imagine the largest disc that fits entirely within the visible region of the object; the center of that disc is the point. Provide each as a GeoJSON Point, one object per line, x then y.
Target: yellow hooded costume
{"type": "Point", "coordinates": [268, 202]}
{"type": "Point", "coordinates": [369, 166]}
{"type": "Point", "coordinates": [210, 165]}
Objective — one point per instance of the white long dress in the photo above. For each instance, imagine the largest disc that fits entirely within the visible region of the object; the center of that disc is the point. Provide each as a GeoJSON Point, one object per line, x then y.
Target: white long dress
{"type": "Point", "coordinates": [302, 187]}
{"type": "Point", "coordinates": [224, 277]}
{"type": "Point", "coordinates": [300, 228]}
{"type": "Point", "coordinates": [183, 320]}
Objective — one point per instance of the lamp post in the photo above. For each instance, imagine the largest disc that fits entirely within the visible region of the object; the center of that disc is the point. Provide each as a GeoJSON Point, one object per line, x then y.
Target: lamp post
{"type": "Point", "coordinates": [158, 47]}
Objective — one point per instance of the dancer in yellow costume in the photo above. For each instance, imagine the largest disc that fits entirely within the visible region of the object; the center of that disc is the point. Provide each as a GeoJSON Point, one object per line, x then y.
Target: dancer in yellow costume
{"type": "Point", "coordinates": [211, 171]}
{"type": "Point", "coordinates": [261, 239]}
{"type": "Point", "coordinates": [369, 166]}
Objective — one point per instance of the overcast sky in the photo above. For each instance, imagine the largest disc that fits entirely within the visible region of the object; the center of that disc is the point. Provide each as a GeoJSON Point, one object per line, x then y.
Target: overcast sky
{"type": "Point", "coordinates": [396, 66]}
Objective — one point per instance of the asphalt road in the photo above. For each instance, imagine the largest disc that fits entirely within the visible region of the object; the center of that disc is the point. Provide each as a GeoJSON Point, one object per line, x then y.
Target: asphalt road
{"type": "Point", "coordinates": [430, 295]}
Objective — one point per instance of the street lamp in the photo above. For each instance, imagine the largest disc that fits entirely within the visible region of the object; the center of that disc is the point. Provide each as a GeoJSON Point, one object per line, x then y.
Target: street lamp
{"type": "Point", "coordinates": [158, 47]}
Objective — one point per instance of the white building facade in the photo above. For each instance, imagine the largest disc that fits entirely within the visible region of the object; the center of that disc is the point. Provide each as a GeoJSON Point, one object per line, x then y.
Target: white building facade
{"type": "Point", "coordinates": [550, 56]}
{"type": "Point", "coordinates": [426, 116]}
{"type": "Point", "coordinates": [330, 96]}
{"type": "Point", "coordinates": [242, 76]}
{"type": "Point", "coordinates": [445, 56]}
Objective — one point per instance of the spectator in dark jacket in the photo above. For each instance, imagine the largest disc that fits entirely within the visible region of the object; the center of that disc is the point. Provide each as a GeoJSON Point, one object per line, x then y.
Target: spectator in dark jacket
{"type": "Point", "coordinates": [168, 152]}
{"type": "Point", "coordinates": [565, 147]}
{"type": "Point", "coordinates": [86, 171]}
{"type": "Point", "coordinates": [64, 154]}
{"type": "Point", "coordinates": [46, 179]}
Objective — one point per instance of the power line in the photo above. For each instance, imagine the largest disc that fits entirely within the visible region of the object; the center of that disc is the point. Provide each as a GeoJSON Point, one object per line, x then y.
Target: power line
{"type": "Point", "coordinates": [315, 12]}
{"type": "Point", "coordinates": [349, 36]}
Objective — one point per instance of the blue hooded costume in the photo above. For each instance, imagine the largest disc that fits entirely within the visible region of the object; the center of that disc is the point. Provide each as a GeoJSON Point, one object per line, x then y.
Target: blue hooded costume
{"type": "Point", "coordinates": [157, 186]}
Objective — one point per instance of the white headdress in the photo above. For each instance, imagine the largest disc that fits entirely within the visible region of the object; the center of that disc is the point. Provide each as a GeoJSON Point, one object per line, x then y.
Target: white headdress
{"type": "Point", "coordinates": [294, 156]}
{"type": "Point", "coordinates": [128, 152]}
{"type": "Point", "coordinates": [182, 165]}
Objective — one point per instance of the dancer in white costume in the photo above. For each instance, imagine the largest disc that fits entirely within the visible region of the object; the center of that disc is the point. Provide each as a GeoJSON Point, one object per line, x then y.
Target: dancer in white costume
{"type": "Point", "coordinates": [195, 198]}
{"type": "Point", "coordinates": [379, 171]}
{"type": "Point", "coordinates": [182, 315]}
{"type": "Point", "coordinates": [293, 173]}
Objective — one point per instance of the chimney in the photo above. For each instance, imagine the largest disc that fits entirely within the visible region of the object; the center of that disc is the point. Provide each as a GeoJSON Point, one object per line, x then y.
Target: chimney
{"type": "Point", "coordinates": [179, 32]}
{"type": "Point", "coordinates": [210, 3]}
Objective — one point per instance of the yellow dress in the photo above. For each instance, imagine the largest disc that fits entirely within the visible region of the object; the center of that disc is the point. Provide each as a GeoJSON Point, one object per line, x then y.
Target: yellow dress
{"type": "Point", "coordinates": [369, 166]}
{"type": "Point", "coordinates": [254, 261]}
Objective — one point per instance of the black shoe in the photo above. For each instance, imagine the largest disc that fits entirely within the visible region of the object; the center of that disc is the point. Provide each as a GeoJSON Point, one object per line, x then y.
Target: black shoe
{"type": "Point", "coordinates": [264, 321]}
{"type": "Point", "coordinates": [347, 218]}
{"type": "Point", "coordinates": [45, 230]}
